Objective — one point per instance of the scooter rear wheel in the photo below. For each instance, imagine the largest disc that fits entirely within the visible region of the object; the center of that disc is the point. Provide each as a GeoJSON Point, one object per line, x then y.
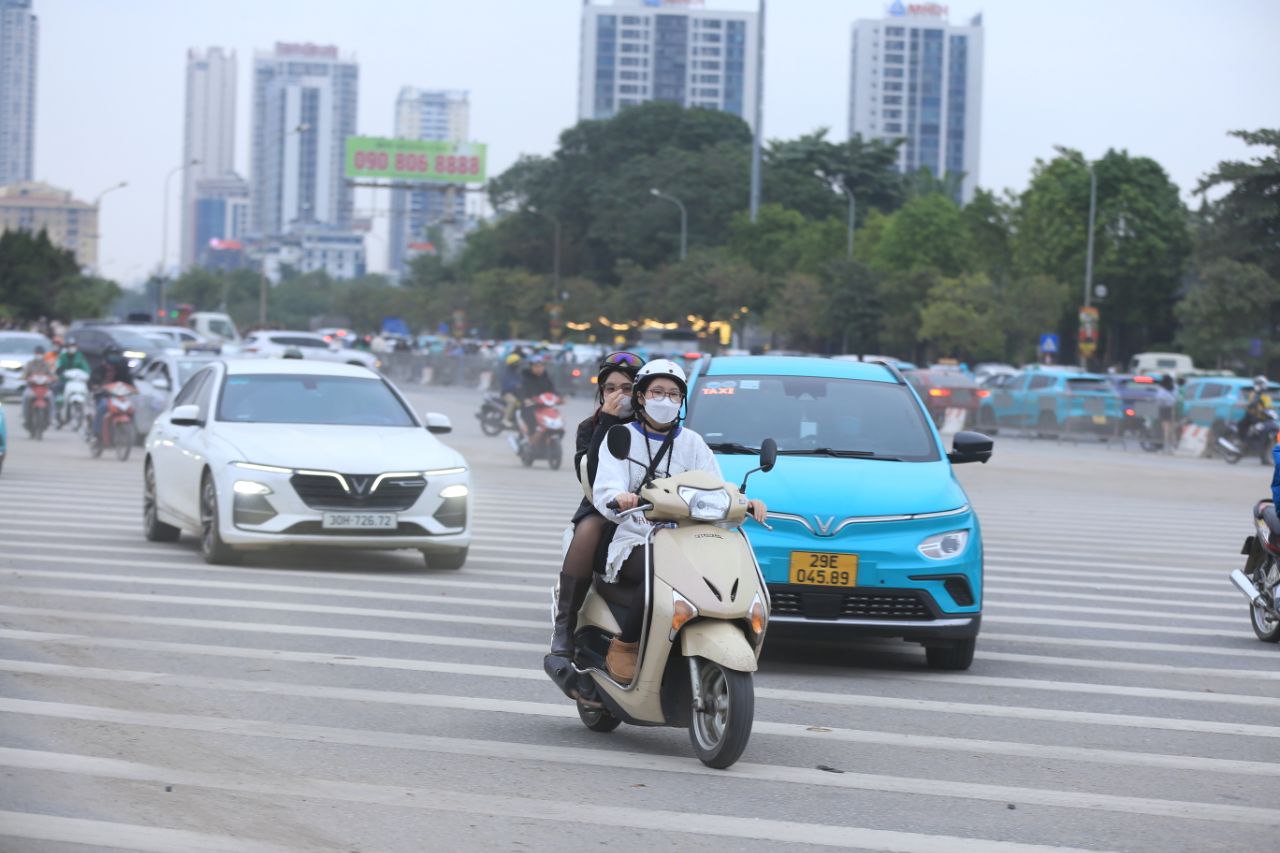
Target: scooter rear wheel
{"type": "Point", "coordinates": [491, 423]}
{"type": "Point", "coordinates": [719, 731]}
{"type": "Point", "coordinates": [597, 719]}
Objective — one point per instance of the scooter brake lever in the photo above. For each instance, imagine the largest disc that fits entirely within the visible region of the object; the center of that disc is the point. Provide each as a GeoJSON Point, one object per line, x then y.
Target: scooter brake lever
{"type": "Point", "coordinates": [766, 525]}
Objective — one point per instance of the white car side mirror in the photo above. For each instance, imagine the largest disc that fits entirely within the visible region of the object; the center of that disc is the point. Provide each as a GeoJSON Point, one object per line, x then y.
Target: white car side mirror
{"type": "Point", "coordinates": [188, 415]}
{"type": "Point", "coordinates": [438, 424]}
{"type": "Point", "coordinates": [161, 382]}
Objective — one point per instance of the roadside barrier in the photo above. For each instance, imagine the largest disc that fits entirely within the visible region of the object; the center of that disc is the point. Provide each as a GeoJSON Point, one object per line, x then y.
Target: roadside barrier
{"type": "Point", "coordinates": [1194, 441]}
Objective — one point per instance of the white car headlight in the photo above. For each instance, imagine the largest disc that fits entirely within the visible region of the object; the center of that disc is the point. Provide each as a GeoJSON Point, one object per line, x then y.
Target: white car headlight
{"type": "Point", "coordinates": [266, 469]}
{"type": "Point", "coordinates": [250, 487]}
{"type": "Point", "coordinates": [456, 490]}
{"type": "Point", "coordinates": [944, 546]}
{"type": "Point", "coordinates": [11, 365]}
{"type": "Point", "coordinates": [706, 504]}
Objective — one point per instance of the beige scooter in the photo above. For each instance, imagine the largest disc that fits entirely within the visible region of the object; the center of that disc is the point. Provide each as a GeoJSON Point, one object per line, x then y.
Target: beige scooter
{"type": "Point", "coordinates": [708, 608]}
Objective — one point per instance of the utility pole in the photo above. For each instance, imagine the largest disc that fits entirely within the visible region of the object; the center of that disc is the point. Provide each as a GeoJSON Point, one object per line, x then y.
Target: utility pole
{"type": "Point", "coordinates": [684, 219]}
{"type": "Point", "coordinates": [759, 122]}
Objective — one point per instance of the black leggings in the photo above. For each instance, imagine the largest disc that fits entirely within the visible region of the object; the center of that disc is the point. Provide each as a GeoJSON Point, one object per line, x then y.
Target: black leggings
{"type": "Point", "coordinates": [588, 533]}
{"type": "Point", "coordinates": [631, 578]}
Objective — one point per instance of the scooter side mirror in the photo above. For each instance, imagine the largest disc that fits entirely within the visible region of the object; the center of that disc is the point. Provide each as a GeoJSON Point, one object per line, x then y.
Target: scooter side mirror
{"type": "Point", "coordinates": [618, 440]}
{"type": "Point", "coordinates": [768, 455]}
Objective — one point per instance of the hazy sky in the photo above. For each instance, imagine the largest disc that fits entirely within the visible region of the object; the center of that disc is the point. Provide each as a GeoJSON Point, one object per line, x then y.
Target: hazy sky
{"type": "Point", "coordinates": [1161, 78]}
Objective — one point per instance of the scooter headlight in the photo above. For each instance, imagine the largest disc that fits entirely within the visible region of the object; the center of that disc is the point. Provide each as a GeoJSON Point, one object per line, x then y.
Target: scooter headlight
{"type": "Point", "coordinates": [706, 504]}
{"type": "Point", "coordinates": [944, 546]}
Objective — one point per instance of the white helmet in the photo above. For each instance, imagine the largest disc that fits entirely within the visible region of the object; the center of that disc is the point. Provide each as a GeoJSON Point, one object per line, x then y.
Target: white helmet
{"type": "Point", "coordinates": [662, 367]}
{"type": "Point", "coordinates": [1260, 382]}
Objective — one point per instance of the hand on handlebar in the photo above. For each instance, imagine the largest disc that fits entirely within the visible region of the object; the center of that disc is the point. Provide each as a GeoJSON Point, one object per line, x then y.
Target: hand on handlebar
{"type": "Point", "coordinates": [625, 501]}
{"type": "Point", "coordinates": [758, 510]}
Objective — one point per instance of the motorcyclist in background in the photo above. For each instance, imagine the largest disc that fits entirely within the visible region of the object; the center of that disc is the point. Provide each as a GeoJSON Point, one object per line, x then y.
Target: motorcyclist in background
{"type": "Point", "coordinates": [1255, 409]}
{"type": "Point", "coordinates": [69, 359]}
{"type": "Point", "coordinates": [114, 368]}
{"type": "Point", "coordinates": [37, 366]}
{"type": "Point", "coordinates": [534, 382]}
{"type": "Point", "coordinates": [510, 388]}
{"type": "Point", "coordinates": [614, 385]}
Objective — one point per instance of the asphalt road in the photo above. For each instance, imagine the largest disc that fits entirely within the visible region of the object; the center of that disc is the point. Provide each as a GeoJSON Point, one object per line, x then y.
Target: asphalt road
{"type": "Point", "coordinates": [358, 702]}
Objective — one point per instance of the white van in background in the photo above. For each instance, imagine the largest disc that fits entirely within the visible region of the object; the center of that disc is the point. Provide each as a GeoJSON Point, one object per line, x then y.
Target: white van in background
{"type": "Point", "coordinates": [217, 326]}
{"type": "Point", "coordinates": [1161, 362]}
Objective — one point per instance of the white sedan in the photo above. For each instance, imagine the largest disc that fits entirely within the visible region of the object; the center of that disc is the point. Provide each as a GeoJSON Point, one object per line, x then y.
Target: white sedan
{"type": "Point", "coordinates": [270, 453]}
{"type": "Point", "coordinates": [307, 345]}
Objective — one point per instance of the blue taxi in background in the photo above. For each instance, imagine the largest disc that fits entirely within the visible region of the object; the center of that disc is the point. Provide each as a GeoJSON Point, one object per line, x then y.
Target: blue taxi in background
{"type": "Point", "coordinates": [1215, 401]}
{"type": "Point", "coordinates": [870, 532]}
{"type": "Point", "coordinates": [1053, 400]}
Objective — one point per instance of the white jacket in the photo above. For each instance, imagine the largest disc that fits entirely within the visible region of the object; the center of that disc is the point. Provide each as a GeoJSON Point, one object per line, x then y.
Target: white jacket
{"type": "Point", "coordinates": [617, 476]}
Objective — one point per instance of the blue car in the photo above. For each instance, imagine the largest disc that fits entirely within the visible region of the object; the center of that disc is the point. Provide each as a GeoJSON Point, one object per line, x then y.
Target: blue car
{"type": "Point", "coordinates": [1051, 401]}
{"type": "Point", "coordinates": [870, 532]}
{"type": "Point", "coordinates": [1215, 401]}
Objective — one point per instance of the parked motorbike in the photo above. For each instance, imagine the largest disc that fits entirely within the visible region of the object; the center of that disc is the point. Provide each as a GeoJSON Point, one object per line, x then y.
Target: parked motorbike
{"type": "Point", "coordinates": [117, 430]}
{"type": "Point", "coordinates": [75, 399]}
{"type": "Point", "coordinates": [493, 414]}
{"type": "Point", "coordinates": [1259, 580]}
{"type": "Point", "coordinates": [708, 609]}
{"type": "Point", "coordinates": [547, 439]}
{"type": "Point", "coordinates": [1258, 439]}
{"type": "Point", "coordinates": [39, 406]}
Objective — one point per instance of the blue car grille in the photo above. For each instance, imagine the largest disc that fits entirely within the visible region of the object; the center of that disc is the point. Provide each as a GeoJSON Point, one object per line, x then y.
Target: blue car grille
{"type": "Point", "coordinates": [831, 604]}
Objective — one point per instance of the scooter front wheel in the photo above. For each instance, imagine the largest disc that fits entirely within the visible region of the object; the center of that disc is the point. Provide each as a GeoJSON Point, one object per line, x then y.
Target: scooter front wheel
{"type": "Point", "coordinates": [597, 719]}
{"type": "Point", "coordinates": [720, 729]}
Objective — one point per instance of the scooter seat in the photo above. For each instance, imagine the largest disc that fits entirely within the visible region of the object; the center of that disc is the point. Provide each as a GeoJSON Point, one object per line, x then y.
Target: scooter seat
{"type": "Point", "coordinates": [1269, 516]}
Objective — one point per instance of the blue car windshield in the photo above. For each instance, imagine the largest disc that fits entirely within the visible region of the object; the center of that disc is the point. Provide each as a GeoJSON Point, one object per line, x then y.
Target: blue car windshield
{"type": "Point", "coordinates": [263, 398]}
{"type": "Point", "coordinates": [821, 416]}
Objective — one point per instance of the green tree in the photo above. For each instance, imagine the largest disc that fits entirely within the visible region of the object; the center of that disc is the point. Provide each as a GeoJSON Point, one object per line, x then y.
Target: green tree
{"type": "Point", "coordinates": [1245, 223]}
{"type": "Point", "coordinates": [868, 168]}
{"type": "Point", "coordinates": [853, 314]}
{"type": "Point", "coordinates": [902, 296]}
{"type": "Point", "coordinates": [927, 232]}
{"type": "Point", "coordinates": [799, 313]}
{"type": "Point", "coordinates": [1141, 241]}
{"type": "Point", "coordinates": [39, 279]}
{"type": "Point", "coordinates": [782, 240]}
{"type": "Point", "coordinates": [1231, 304]}
{"type": "Point", "coordinates": [961, 319]}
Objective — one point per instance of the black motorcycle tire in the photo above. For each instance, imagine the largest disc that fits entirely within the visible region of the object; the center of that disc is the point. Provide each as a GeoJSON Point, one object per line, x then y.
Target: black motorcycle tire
{"type": "Point", "coordinates": [1228, 456]}
{"type": "Point", "coordinates": [736, 697]}
{"type": "Point", "coordinates": [597, 719]}
{"type": "Point", "coordinates": [491, 423]}
{"type": "Point", "coordinates": [39, 423]}
{"type": "Point", "coordinates": [95, 442]}
{"type": "Point", "coordinates": [1267, 633]}
{"type": "Point", "coordinates": [123, 438]}
{"type": "Point", "coordinates": [555, 455]}
{"type": "Point", "coordinates": [76, 416]}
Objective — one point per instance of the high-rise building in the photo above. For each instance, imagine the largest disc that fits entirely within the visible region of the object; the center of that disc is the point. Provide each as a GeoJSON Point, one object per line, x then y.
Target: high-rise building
{"type": "Point", "coordinates": [209, 134]}
{"type": "Point", "coordinates": [436, 115]}
{"type": "Point", "coordinates": [667, 50]}
{"type": "Point", "coordinates": [221, 217]}
{"type": "Point", "coordinates": [917, 78]}
{"type": "Point", "coordinates": [18, 31]}
{"type": "Point", "coordinates": [35, 207]}
{"type": "Point", "coordinates": [304, 108]}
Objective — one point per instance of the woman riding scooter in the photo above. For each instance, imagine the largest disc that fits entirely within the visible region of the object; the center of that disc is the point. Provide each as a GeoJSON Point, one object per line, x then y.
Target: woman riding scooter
{"type": "Point", "coordinates": [614, 385]}
{"type": "Point", "coordinates": [661, 447]}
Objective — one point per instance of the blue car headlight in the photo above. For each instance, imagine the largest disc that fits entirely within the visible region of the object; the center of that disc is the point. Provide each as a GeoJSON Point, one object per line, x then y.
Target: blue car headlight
{"type": "Point", "coordinates": [944, 546]}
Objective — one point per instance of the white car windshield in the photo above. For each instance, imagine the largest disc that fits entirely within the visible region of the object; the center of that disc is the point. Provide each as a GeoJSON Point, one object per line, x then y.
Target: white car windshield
{"type": "Point", "coordinates": [812, 416]}
{"type": "Point", "coordinates": [258, 398]}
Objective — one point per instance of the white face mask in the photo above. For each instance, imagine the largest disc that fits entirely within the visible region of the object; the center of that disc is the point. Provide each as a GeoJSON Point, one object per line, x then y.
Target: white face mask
{"type": "Point", "coordinates": [624, 407]}
{"type": "Point", "coordinates": [662, 411]}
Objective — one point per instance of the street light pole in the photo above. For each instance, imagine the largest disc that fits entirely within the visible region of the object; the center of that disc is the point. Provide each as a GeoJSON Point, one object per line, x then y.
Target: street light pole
{"type": "Point", "coordinates": [758, 134]}
{"type": "Point", "coordinates": [684, 219]}
{"type": "Point", "coordinates": [1088, 262]}
{"type": "Point", "coordinates": [164, 230]}
{"type": "Point", "coordinates": [97, 201]}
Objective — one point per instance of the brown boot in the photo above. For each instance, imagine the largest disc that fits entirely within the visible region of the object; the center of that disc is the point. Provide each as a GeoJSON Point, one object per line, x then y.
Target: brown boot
{"type": "Point", "coordinates": [621, 660]}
